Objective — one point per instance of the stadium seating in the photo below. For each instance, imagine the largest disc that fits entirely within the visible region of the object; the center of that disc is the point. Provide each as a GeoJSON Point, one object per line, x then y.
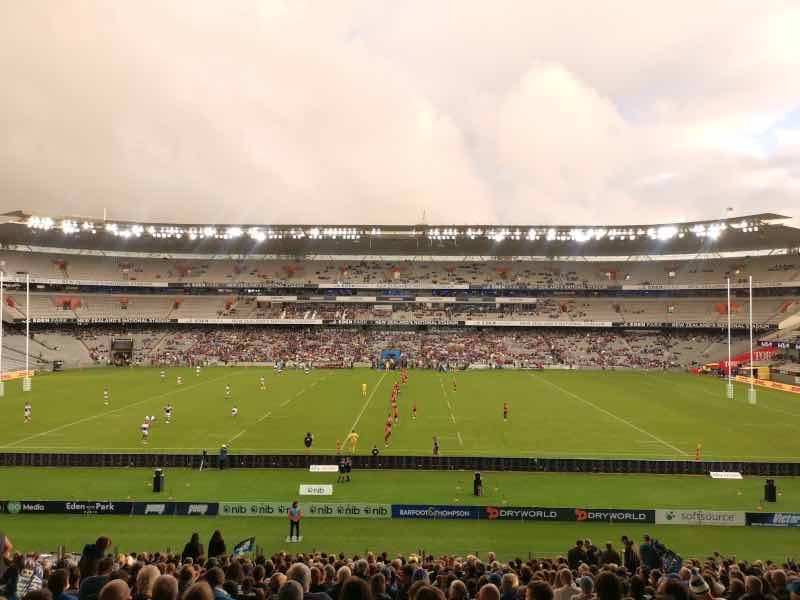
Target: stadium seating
{"type": "Point", "coordinates": [542, 274]}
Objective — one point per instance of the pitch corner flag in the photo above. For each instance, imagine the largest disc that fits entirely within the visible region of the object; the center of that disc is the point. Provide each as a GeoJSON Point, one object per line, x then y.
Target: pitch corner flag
{"type": "Point", "coordinates": [244, 546]}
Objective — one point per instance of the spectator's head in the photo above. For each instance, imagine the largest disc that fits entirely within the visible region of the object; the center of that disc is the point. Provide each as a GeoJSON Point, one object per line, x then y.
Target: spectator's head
{"type": "Point", "coordinates": [343, 574]}
{"type": "Point", "coordinates": [116, 589]}
{"type": "Point", "coordinates": [361, 568]}
{"type": "Point", "coordinates": [564, 577]}
{"type": "Point", "coordinates": [58, 582]}
{"type": "Point", "coordinates": [234, 572]}
{"type": "Point", "coordinates": [608, 587]}
{"type": "Point", "coordinates": [457, 591]}
{"type": "Point", "coordinates": [587, 585]}
{"type": "Point", "coordinates": [415, 587]}
{"type": "Point", "coordinates": [378, 584]}
{"type": "Point", "coordinates": [672, 589]}
{"type": "Point", "coordinates": [428, 592]}
{"type": "Point", "coordinates": [276, 582]}
{"type": "Point", "coordinates": [355, 588]}
{"type": "Point", "coordinates": [300, 573]}
{"type": "Point", "coordinates": [579, 543]}
{"type": "Point", "coordinates": [735, 588]}
{"type": "Point", "coordinates": [291, 590]}
{"type": "Point", "coordinates": [165, 588]}
{"type": "Point", "coordinates": [105, 566]}
{"type": "Point", "coordinates": [103, 543]}
{"type": "Point", "coordinates": [215, 577]}
{"type": "Point", "coordinates": [198, 591]}
{"type": "Point", "coordinates": [74, 577]}
{"type": "Point", "coordinates": [489, 592]}
{"type": "Point", "coordinates": [145, 580]}
{"type": "Point", "coordinates": [794, 589]}
{"type": "Point", "coordinates": [753, 585]}
{"type": "Point", "coordinates": [43, 594]}
{"type": "Point", "coordinates": [540, 590]}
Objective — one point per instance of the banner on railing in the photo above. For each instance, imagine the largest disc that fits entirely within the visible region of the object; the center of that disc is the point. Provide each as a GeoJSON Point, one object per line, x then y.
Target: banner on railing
{"type": "Point", "coordinates": [16, 375]}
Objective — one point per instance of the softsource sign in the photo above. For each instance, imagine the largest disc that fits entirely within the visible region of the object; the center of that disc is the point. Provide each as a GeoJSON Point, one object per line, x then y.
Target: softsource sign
{"type": "Point", "coordinates": [773, 519]}
{"type": "Point", "coordinates": [528, 513]}
{"type": "Point", "coordinates": [436, 511]}
{"type": "Point", "coordinates": [727, 518]}
{"type": "Point", "coordinates": [613, 515]}
{"type": "Point", "coordinates": [310, 509]}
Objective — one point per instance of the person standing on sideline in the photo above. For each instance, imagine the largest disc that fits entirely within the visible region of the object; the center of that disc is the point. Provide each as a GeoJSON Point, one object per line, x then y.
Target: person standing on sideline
{"type": "Point", "coordinates": [295, 513]}
{"type": "Point", "coordinates": [223, 457]}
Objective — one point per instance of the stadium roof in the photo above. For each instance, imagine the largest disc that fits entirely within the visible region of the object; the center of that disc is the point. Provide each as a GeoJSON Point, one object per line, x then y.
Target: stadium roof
{"type": "Point", "coordinates": [760, 232]}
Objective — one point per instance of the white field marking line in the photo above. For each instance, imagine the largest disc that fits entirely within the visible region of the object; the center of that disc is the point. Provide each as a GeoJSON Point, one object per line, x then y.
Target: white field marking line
{"type": "Point", "coordinates": [447, 400]}
{"type": "Point", "coordinates": [612, 415]}
{"type": "Point", "coordinates": [460, 441]}
{"type": "Point", "coordinates": [267, 414]}
{"type": "Point", "coordinates": [110, 412]}
{"type": "Point", "coordinates": [366, 404]}
{"type": "Point", "coordinates": [236, 436]}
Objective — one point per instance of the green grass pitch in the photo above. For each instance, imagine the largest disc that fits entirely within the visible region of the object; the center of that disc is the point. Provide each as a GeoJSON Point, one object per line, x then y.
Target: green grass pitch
{"type": "Point", "coordinates": [553, 413]}
{"type": "Point", "coordinates": [587, 414]}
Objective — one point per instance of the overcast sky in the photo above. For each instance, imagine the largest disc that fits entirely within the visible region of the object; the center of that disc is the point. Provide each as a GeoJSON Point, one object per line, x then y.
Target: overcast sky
{"type": "Point", "coordinates": [373, 112]}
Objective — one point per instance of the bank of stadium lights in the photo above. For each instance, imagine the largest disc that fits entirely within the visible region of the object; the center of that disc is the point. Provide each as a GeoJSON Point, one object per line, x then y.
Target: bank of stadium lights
{"type": "Point", "coordinates": [447, 233]}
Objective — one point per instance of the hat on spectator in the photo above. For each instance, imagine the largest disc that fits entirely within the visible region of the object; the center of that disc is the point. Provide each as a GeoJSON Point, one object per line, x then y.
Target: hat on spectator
{"type": "Point", "coordinates": [698, 585]}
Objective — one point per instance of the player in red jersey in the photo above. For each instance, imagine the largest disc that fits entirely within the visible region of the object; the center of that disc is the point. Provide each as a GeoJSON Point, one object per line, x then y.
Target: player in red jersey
{"type": "Point", "coordinates": [454, 384]}
{"type": "Point", "coordinates": [395, 412]}
{"type": "Point", "coordinates": [414, 410]}
{"type": "Point", "coordinates": [387, 431]}
{"type": "Point", "coordinates": [505, 410]}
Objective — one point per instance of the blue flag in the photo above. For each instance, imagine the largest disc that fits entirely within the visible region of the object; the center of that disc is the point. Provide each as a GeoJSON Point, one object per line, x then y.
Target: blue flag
{"type": "Point", "coordinates": [244, 546]}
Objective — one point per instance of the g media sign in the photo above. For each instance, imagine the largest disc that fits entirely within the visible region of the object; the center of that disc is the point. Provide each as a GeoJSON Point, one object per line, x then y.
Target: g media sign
{"type": "Point", "coordinates": [614, 515]}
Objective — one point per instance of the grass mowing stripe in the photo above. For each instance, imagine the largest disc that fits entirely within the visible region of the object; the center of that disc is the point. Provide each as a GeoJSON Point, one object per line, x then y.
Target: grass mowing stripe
{"type": "Point", "coordinates": [109, 412]}
{"type": "Point", "coordinates": [612, 415]}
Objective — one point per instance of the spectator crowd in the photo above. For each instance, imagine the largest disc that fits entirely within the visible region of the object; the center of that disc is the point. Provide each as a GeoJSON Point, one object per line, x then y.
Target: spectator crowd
{"type": "Point", "coordinates": [585, 572]}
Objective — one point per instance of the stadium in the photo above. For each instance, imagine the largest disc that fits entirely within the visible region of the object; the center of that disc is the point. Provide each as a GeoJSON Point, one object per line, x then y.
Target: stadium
{"type": "Point", "coordinates": [399, 301]}
{"type": "Point", "coordinates": [611, 370]}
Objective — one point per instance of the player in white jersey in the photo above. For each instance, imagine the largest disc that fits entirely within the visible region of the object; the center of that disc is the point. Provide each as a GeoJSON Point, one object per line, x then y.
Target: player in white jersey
{"type": "Point", "coordinates": [106, 396]}
{"type": "Point", "coordinates": [168, 413]}
{"type": "Point", "coordinates": [180, 380]}
{"type": "Point", "coordinates": [263, 382]}
{"type": "Point", "coordinates": [28, 411]}
{"type": "Point", "coordinates": [145, 428]}
{"type": "Point", "coordinates": [227, 391]}
{"type": "Point", "coordinates": [163, 376]}
{"type": "Point", "coordinates": [234, 411]}
{"type": "Point", "coordinates": [197, 370]}
{"type": "Point", "coordinates": [307, 368]}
